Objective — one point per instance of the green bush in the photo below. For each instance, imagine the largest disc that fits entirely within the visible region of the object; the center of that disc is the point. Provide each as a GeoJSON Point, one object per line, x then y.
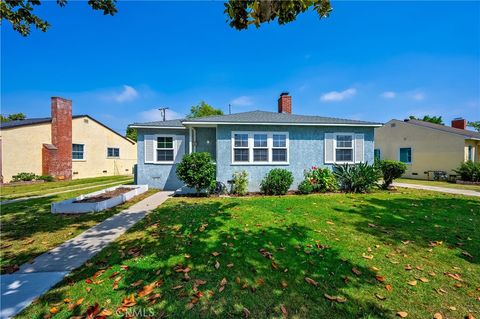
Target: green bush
{"type": "Point", "coordinates": [358, 178]}
{"type": "Point", "coordinates": [197, 170]}
{"type": "Point", "coordinates": [390, 171]}
{"type": "Point", "coordinates": [240, 183]}
{"type": "Point", "coordinates": [24, 177]}
{"type": "Point", "coordinates": [469, 171]}
{"type": "Point", "coordinates": [277, 182]}
{"type": "Point", "coordinates": [46, 178]}
{"type": "Point", "coordinates": [322, 179]}
{"type": "Point", "coordinates": [305, 187]}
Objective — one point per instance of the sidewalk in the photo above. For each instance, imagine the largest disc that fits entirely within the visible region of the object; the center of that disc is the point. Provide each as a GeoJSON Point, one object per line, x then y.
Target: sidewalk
{"type": "Point", "coordinates": [18, 290]}
{"type": "Point", "coordinates": [465, 192]}
{"type": "Point", "coordinates": [21, 199]}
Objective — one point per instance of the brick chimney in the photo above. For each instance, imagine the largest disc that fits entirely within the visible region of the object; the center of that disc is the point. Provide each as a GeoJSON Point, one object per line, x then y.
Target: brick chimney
{"type": "Point", "coordinates": [459, 123]}
{"type": "Point", "coordinates": [57, 156]}
{"type": "Point", "coordinates": [285, 103]}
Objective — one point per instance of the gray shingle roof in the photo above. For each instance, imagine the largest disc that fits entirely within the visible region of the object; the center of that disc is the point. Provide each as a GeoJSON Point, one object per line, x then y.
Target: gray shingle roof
{"type": "Point", "coordinates": [17, 123]}
{"type": "Point", "coordinates": [166, 124]}
{"type": "Point", "coordinates": [259, 117]}
{"type": "Point", "coordinates": [444, 128]}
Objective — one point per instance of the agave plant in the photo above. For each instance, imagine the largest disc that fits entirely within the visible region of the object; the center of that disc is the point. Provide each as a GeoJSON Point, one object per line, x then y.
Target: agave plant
{"type": "Point", "coordinates": [358, 178]}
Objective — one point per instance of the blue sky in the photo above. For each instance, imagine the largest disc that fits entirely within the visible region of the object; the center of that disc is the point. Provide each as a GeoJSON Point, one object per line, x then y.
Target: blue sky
{"type": "Point", "coordinates": [369, 60]}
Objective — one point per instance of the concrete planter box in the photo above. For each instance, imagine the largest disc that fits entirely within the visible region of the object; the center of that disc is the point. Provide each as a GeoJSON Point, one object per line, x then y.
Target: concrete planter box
{"type": "Point", "coordinates": [70, 206]}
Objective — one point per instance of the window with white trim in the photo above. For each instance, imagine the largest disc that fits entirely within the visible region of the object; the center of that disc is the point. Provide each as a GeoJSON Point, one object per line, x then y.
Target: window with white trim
{"type": "Point", "coordinates": [259, 148]}
{"type": "Point", "coordinates": [344, 148]}
{"type": "Point", "coordinates": [165, 149]}
{"type": "Point", "coordinates": [78, 152]}
{"type": "Point", "coordinates": [113, 152]}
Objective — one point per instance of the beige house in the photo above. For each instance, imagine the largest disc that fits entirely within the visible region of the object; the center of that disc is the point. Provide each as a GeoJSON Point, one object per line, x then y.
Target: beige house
{"type": "Point", "coordinates": [426, 147]}
{"type": "Point", "coordinates": [64, 146]}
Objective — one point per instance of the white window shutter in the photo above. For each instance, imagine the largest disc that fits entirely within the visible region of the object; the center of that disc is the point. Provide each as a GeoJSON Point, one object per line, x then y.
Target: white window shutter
{"type": "Point", "coordinates": [149, 141]}
{"type": "Point", "coordinates": [359, 148]}
{"type": "Point", "coordinates": [179, 148]}
{"type": "Point", "coordinates": [329, 148]}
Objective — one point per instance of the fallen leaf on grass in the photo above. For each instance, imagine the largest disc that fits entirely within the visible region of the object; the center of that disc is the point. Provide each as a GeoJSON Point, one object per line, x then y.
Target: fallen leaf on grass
{"type": "Point", "coordinates": [217, 265]}
{"type": "Point", "coordinates": [284, 310]}
{"type": "Point", "coordinates": [284, 284]}
{"type": "Point", "coordinates": [215, 254]}
{"type": "Point", "coordinates": [423, 279]}
{"type": "Point", "coordinates": [380, 297]}
{"type": "Point", "coordinates": [230, 265]}
{"type": "Point", "coordinates": [147, 289]}
{"type": "Point", "coordinates": [402, 314]}
{"type": "Point", "coordinates": [454, 276]}
{"type": "Point", "coordinates": [246, 312]}
{"type": "Point", "coordinates": [367, 256]}
{"type": "Point", "coordinates": [114, 275]}
{"type": "Point", "coordinates": [437, 316]}
{"type": "Point", "coordinates": [408, 267]}
{"type": "Point", "coordinates": [380, 278]}
{"type": "Point", "coordinates": [356, 271]}
{"type": "Point", "coordinates": [466, 253]}
{"type": "Point", "coordinates": [310, 281]}
{"type": "Point", "coordinates": [412, 283]}
{"type": "Point", "coordinates": [137, 283]}
{"type": "Point", "coordinates": [54, 310]}
{"type": "Point", "coordinates": [105, 313]}
{"type": "Point", "coordinates": [335, 298]}
{"type": "Point", "coordinates": [388, 287]}
{"type": "Point", "coordinates": [129, 301]}
{"type": "Point", "coordinates": [469, 316]}
{"type": "Point", "coordinates": [330, 222]}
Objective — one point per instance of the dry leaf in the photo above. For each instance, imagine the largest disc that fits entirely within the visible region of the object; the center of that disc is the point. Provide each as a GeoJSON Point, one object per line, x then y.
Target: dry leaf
{"type": "Point", "coordinates": [412, 283]}
{"type": "Point", "coordinates": [335, 298]}
{"type": "Point", "coordinates": [215, 254]}
{"type": "Point", "coordinates": [402, 314]}
{"type": "Point", "coordinates": [137, 283]}
{"type": "Point", "coordinates": [284, 310]}
{"type": "Point", "coordinates": [54, 310]}
{"type": "Point", "coordinates": [217, 265]}
{"type": "Point", "coordinates": [380, 278]}
{"type": "Point", "coordinates": [67, 300]}
{"type": "Point", "coordinates": [80, 301]}
{"type": "Point", "coordinates": [408, 267]}
{"type": "Point", "coordinates": [223, 282]}
{"type": "Point", "coordinates": [106, 313]}
{"type": "Point", "coordinates": [310, 281]}
{"type": "Point", "coordinates": [246, 312]}
{"type": "Point", "coordinates": [437, 316]}
{"type": "Point", "coordinates": [367, 256]}
{"type": "Point", "coordinates": [356, 271]}
{"type": "Point", "coordinates": [129, 301]}
{"type": "Point", "coordinates": [114, 275]}
{"type": "Point", "coordinates": [284, 283]}
{"type": "Point", "coordinates": [380, 297]}
{"type": "Point", "coordinates": [423, 279]}
{"type": "Point", "coordinates": [470, 316]}
{"type": "Point", "coordinates": [230, 265]}
{"type": "Point", "coordinates": [388, 287]}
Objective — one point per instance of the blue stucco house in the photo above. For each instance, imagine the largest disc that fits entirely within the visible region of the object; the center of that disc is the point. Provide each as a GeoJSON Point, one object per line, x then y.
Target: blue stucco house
{"type": "Point", "coordinates": [253, 141]}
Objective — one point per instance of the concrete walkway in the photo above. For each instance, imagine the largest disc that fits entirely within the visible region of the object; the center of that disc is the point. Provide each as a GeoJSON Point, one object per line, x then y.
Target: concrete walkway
{"type": "Point", "coordinates": [21, 199]}
{"type": "Point", "coordinates": [465, 192]}
{"type": "Point", "coordinates": [18, 290]}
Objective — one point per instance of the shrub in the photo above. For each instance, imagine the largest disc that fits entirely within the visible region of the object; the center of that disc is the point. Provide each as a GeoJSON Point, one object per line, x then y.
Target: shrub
{"type": "Point", "coordinates": [197, 170]}
{"type": "Point", "coordinates": [390, 171]}
{"type": "Point", "coordinates": [358, 178]}
{"type": "Point", "coordinates": [469, 171]}
{"type": "Point", "coordinates": [240, 183]}
{"type": "Point", "coordinates": [277, 182]}
{"type": "Point", "coordinates": [24, 177]}
{"type": "Point", "coordinates": [322, 179]}
{"type": "Point", "coordinates": [305, 187]}
{"type": "Point", "coordinates": [46, 178]}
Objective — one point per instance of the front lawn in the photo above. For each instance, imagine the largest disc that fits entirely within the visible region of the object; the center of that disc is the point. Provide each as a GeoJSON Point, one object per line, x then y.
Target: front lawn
{"type": "Point", "coordinates": [438, 184]}
{"type": "Point", "coordinates": [315, 256]}
{"type": "Point", "coordinates": [30, 229]}
{"type": "Point", "coordinates": [15, 191]}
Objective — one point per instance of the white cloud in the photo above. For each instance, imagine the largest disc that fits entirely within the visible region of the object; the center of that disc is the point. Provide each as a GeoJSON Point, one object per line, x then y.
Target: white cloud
{"type": "Point", "coordinates": [242, 101]}
{"type": "Point", "coordinates": [417, 96]}
{"type": "Point", "coordinates": [128, 94]}
{"type": "Point", "coordinates": [388, 95]}
{"type": "Point", "coordinates": [155, 115]}
{"type": "Point", "coordinates": [335, 96]}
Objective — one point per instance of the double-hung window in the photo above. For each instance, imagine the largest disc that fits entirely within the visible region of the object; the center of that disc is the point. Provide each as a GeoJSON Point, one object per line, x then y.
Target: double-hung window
{"type": "Point", "coordinates": [259, 148]}
{"type": "Point", "coordinates": [241, 148]}
{"type": "Point", "coordinates": [113, 152]}
{"type": "Point", "coordinates": [165, 149]}
{"type": "Point", "coordinates": [406, 155]}
{"type": "Point", "coordinates": [78, 152]}
{"type": "Point", "coordinates": [344, 148]}
{"type": "Point", "coordinates": [279, 148]}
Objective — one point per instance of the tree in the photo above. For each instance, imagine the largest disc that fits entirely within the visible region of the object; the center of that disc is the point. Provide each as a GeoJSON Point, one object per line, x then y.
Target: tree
{"type": "Point", "coordinates": [203, 109]}
{"type": "Point", "coordinates": [12, 117]}
{"type": "Point", "coordinates": [132, 133]}
{"type": "Point", "coordinates": [428, 118]}
{"type": "Point", "coordinates": [20, 13]}
{"type": "Point", "coordinates": [243, 13]}
{"type": "Point", "coordinates": [475, 125]}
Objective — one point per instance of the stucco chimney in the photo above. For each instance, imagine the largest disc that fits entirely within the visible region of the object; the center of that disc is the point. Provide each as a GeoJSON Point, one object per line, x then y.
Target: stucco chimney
{"type": "Point", "coordinates": [285, 103]}
{"type": "Point", "coordinates": [57, 156]}
{"type": "Point", "coordinates": [459, 123]}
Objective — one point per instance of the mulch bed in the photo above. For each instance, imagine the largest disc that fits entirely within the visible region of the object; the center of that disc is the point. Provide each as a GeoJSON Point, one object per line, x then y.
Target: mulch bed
{"type": "Point", "coordinates": [105, 196]}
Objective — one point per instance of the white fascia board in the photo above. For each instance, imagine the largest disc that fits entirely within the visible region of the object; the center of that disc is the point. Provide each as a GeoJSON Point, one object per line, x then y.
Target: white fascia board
{"type": "Point", "coordinates": [159, 127]}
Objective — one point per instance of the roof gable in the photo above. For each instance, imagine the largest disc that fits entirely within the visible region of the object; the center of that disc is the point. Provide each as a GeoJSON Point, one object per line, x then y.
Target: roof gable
{"type": "Point", "coordinates": [443, 128]}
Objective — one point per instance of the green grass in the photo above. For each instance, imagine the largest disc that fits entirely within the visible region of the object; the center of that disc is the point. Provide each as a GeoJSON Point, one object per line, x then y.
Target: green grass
{"type": "Point", "coordinates": [438, 184]}
{"type": "Point", "coordinates": [30, 229]}
{"type": "Point", "coordinates": [16, 191]}
{"type": "Point", "coordinates": [438, 232]}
